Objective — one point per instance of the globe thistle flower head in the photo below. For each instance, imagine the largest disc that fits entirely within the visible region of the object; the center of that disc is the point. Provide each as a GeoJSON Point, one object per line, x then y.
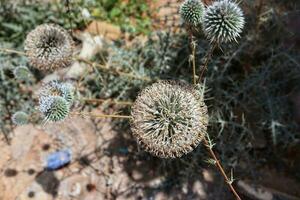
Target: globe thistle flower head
{"type": "Point", "coordinates": [223, 21]}
{"type": "Point", "coordinates": [55, 88]}
{"type": "Point", "coordinates": [169, 119]}
{"type": "Point", "coordinates": [20, 118]}
{"type": "Point", "coordinates": [49, 47]}
{"type": "Point", "coordinates": [54, 108]}
{"type": "Point", "coordinates": [191, 12]}
{"type": "Point", "coordinates": [22, 73]}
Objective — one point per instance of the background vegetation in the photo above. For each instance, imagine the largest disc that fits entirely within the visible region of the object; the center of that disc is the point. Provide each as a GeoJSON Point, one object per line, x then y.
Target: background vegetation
{"type": "Point", "coordinates": [252, 88]}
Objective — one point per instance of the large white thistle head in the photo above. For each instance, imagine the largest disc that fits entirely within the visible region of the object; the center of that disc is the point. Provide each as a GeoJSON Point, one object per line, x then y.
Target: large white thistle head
{"type": "Point", "coordinates": [223, 21]}
{"type": "Point", "coordinates": [169, 119]}
{"type": "Point", "coordinates": [191, 12]}
{"type": "Point", "coordinates": [49, 47]}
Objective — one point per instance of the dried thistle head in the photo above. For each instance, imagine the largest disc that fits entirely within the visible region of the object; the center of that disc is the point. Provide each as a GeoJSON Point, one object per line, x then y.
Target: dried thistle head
{"type": "Point", "coordinates": [49, 47]}
{"type": "Point", "coordinates": [55, 88]}
{"type": "Point", "coordinates": [20, 118]}
{"type": "Point", "coordinates": [191, 12]}
{"type": "Point", "coordinates": [169, 119]}
{"type": "Point", "coordinates": [54, 108]}
{"type": "Point", "coordinates": [223, 21]}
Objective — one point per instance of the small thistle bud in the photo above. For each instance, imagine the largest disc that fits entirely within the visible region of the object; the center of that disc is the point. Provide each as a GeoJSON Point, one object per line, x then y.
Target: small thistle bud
{"type": "Point", "coordinates": [54, 108]}
{"type": "Point", "coordinates": [191, 12]}
{"type": "Point", "coordinates": [20, 118]}
{"type": "Point", "coordinates": [55, 88]}
{"type": "Point", "coordinates": [223, 21]}
{"type": "Point", "coordinates": [22, 73]}
{"type": "Point", "coordinates": [169, 119]}
{"type": "Point", "coordinates": [49, 47]}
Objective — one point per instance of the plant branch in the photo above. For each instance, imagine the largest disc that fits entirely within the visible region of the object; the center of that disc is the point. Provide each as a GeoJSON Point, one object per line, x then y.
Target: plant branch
{"type": "Point", "coordinates": [193, 58]}
{"type": "Point", "coordinates": [102, 115]}
{"type": "Point", "coordinates": [114, 71]}
{"type": "Point", "coordinates": [219, 166]}
{"type": "Point", "coordinates": [12, 51]}
{"type": "Point", "coordinates": [112, 101]}
{"type": "Point", "coordinates": [207, 58]}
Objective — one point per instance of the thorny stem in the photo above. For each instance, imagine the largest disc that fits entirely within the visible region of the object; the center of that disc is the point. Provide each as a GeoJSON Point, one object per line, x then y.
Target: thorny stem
{"type": "Point", "coordinates": [12, 51]}
{"type": "Point", "coordinates": [102, 115]}
{"type": "Point", "coordinates": [193, 58]}
{"type": "Point", "coordinates": [220, 168]}
{"type": "Point", "coordinates": [193, 55]}
{"type": "Point", "coordinates": [112, 101]}
{"type": "Point", "coordinates": [207, 58]}
{"type": "Point", "coordinates": [206, 142]}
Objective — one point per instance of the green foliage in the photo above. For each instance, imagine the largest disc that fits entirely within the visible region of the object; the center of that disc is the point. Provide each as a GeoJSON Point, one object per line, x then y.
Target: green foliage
{"type": "Point", "coordinates": [154, 59]}
{"type": "Point", "coordinates": [133, 16]}
{"type": "Point", "coordinates": [17, 21]}
{"type": "Point", "coordinates": [13, 97]}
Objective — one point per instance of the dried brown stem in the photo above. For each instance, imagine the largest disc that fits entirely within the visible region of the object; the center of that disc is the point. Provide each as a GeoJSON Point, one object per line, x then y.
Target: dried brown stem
{"type": "Point", "coordinates": [12, 51]}
{"type": "Point", "coordinates": [193, 46]}
{"type": "Point", "coordinates": [220, 168]}
{"type": "Point", "coordinates": [102, 115]}
{"type": "Point", "coordinates": [114, 71]}
{"type": "Point", "coordinates": [207, 58]}
{"type": "Point", "coordinates": [111, 101]}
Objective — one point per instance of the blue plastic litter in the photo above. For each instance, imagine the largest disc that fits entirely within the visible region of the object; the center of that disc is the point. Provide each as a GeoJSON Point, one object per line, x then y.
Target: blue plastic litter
{"type": "Point", "coordinates": [58, 159]}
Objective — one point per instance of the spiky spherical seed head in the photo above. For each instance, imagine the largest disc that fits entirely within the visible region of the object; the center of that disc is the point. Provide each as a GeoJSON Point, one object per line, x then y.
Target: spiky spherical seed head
{"type": "Point", "coordinates": [20, 118]}
{"type": "Point", "coordinates": [22, 73]}
{"type": "Point", "coordinates": [223, 21]}
{"type": "Point", "coordinates": [55, 88]}
{"type": "Point", "coordinates": [49, 47]}
{"type": "Point", "coordinates": [169, 119]}
{"type": "Point", "coordinates": [191, 12]}
{"type": "Point", "coordinates": [54, 108]}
